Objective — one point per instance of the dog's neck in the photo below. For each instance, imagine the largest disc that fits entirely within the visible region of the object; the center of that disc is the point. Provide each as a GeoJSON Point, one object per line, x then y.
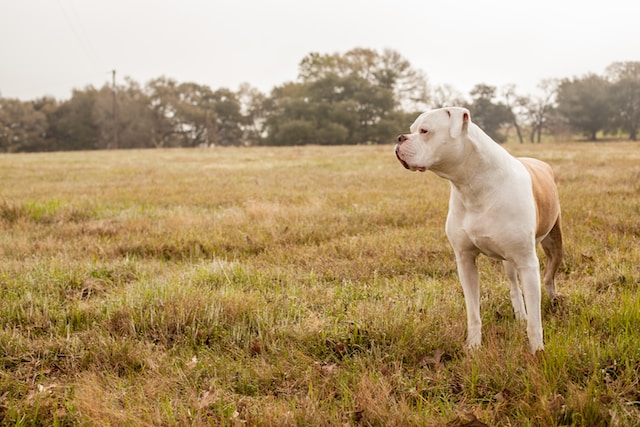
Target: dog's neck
{"type": "Point", "coordinates": [476, 172]}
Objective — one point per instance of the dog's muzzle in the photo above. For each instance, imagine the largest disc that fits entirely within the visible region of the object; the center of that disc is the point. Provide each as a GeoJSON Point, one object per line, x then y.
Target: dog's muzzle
{"type": "Point", "coordinates": [397, 151]}
{"type": "Point", "coordinates": [401, 139]}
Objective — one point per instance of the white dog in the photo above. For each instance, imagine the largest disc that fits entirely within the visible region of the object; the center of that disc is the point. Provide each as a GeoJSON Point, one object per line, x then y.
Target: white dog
{"type": "Point", "coordinates": [499, 206]}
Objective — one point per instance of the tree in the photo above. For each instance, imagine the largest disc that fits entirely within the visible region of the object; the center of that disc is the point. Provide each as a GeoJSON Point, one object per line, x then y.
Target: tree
{"type": "Point", "coordinates": [190, 114]}
{"type": "Point", "coordinates": [253, 107]}
{"type": "Point", "coordinates": [49, 107]}
{"type": "Point", "coordinates": [305, 114]}
{"type": "Point", "coordinates": [349, 98]}
{"type": "Point", "coordinates": [489, 114]}
{"type": "Point", "coordinates": [585, 104]}
{"type": "Point", "coordinates": [194, 107]}
{"type": "Point", "coordinates": [625, 96]}
{"type": "Point", "coordinates": [539, 110]}
{"type": "Point", "coordinates": [72, 127]}
{"type": "Point", "coordinates": [163, 97]}
{"type": "Point", "coordinates": [225, 124]}
{"type": "Point", "coordinates": [22, 127]}
{"type": "Point", "coordinates": [516, 104]}
{"type": "Point", "coordinates": [386, 70]}
{"type": "Point", "coordinates": [410, 86]}
{"type": "Point", "coordinates": [134, 117]}
{"type": "Point", "coordinates": [446, 96]}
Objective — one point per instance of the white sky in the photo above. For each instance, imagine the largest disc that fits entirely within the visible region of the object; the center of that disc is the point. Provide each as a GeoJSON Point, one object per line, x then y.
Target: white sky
{"type": "Point", "coordinates": [49, 47]}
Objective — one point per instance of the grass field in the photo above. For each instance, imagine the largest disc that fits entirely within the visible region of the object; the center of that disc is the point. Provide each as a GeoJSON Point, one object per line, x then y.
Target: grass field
{"type": "Point", "coordinates": [300, 286]}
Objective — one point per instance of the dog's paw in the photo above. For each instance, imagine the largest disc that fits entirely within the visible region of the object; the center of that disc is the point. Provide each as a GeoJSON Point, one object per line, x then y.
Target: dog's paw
{"type": "Point", "coordinates": [558, 299]}
{"type": "Point", "coordinates": [472, 347]}
{"type": "Point", "coordinates": [558, 304]}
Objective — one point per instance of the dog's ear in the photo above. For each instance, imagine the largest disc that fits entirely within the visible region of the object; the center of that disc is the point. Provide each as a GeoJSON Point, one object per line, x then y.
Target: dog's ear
{"type": "Point", "coordinates": [459, 121]}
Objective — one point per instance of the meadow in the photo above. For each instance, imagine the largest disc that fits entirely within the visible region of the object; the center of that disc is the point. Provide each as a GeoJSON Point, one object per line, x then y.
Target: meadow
{"type": "Point", "coordinates": [301, 286]}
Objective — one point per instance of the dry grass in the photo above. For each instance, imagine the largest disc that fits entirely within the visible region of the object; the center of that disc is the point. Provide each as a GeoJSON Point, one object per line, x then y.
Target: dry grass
{"type": "Point", "coordinates": [300, 286]}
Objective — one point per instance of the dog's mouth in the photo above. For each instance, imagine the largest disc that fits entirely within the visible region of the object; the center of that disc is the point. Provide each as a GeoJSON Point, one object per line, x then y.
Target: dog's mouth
{"type": "Point", "coordinates": [406, 165]}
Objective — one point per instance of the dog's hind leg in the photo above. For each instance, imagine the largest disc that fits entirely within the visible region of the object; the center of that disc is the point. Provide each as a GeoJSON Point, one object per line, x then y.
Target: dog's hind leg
{"type": "Point", "coordinates": [515, 292]}
{"type": "Point", "coordinates": [552, 246]}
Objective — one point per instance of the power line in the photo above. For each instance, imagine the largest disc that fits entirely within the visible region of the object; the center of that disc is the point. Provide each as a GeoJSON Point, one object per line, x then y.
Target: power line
{"type": "Point", "coordinates": [76, 27]}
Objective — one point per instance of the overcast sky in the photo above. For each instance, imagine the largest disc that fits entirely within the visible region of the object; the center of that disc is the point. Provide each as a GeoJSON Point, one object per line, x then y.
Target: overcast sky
{"type": "Point", "coordinates": [49, 47]}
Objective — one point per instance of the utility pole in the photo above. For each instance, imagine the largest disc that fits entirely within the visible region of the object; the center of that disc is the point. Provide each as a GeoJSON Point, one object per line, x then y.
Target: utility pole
{"type": "Point", "coordinates": [115, 111]}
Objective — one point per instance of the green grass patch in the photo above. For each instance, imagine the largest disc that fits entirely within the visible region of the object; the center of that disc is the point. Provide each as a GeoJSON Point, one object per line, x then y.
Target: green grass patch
{"type": "Point", "coordinates": [300, 286]}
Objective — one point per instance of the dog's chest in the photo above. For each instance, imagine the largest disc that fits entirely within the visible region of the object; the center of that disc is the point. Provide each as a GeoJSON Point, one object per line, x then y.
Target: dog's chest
{"type": "Point", "coordinates": [486, 237]}
{"type": "Point", "coordinates": [485, 231]}
{"type": "Point", "coordinates": [489, 246]}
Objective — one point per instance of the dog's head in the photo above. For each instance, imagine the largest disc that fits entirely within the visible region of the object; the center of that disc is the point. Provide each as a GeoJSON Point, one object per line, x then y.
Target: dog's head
{"type": "Point", "coordinates": [435, 138]}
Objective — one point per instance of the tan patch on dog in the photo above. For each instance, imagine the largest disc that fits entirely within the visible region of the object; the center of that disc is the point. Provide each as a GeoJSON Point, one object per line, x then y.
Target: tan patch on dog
{"type": "Point", "coordinates": [545, 194]}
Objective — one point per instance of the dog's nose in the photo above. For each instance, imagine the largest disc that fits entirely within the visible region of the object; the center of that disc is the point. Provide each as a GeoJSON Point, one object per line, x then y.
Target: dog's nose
{"type": "Point", "coordinates": [402, 138]}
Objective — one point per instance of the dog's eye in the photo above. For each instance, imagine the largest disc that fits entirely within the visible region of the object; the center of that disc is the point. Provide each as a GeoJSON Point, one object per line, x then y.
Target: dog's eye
{"type": "Point", "coordinates": [423, 131]}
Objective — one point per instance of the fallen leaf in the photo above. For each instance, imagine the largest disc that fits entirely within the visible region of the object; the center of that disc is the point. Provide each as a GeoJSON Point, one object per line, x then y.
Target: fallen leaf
{"type": "Point", "coordinates": [326, 370]}
{"type": "Point", "coordinates": [433, 360]}
{"type": "Point", "coordinates": [467, 420]}
{"type": "Point", "coordinates": [556, 404]}
{"type": "Point", "coordinates": [256, 348]}
{"type": "Point", "coordinates": [340, 348]}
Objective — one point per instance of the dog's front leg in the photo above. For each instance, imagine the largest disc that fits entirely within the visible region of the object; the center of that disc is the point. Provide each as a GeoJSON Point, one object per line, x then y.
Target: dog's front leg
{"type": "Point", "coordinates": [468, 272]}
{"type": "Point", "coordinates": [530, 278]}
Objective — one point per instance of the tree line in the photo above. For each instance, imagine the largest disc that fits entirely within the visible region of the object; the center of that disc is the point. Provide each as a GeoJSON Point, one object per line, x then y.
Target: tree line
{"type": "Point", "coordinates": [361, 96]}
